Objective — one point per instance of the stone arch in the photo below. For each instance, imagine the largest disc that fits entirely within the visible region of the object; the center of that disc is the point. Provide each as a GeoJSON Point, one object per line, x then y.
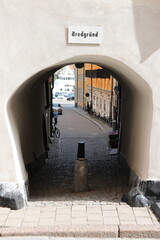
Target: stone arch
{"type": "Point", "coordinates": [24, 110]}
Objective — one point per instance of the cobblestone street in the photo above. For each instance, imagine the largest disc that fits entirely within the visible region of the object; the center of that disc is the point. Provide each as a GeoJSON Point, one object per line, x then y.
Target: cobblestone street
{"type": "Point", "coordinates": [54, 183]}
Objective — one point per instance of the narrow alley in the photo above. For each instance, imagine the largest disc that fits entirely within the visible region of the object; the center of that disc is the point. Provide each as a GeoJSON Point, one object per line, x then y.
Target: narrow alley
{"type": "Point", "coordinates": [55, 210]}
{"type": "Point", "coordinates": [53, 184]}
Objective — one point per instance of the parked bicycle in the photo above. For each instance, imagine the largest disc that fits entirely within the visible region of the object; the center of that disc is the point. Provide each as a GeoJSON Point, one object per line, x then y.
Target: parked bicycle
{"type": "Point", "coordinates": [56, 131]}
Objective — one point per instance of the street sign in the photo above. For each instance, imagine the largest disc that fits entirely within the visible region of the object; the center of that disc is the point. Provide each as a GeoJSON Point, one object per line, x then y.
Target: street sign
{"type": "Point", "coordinates": [85, 34]}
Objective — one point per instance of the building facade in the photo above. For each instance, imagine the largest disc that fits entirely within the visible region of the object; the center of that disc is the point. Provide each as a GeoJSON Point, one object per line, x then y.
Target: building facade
{"type": "Point", "coordinates": [34, 44]}
{"type": "Point", "coordinates": [95, 91]}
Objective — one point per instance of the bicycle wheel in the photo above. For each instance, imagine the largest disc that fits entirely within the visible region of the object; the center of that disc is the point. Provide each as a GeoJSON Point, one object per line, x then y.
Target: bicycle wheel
{"type": "Point", "coordinates": [57, 132]}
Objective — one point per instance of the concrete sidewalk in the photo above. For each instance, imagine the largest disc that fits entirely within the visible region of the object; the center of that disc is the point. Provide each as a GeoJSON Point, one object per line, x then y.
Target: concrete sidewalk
{"type": "Point", "coordinates": [103, 126]}
{"type": "Point", "coordinates": [83, 215]}
{"type": "Point", "coordinates": [118, 220]}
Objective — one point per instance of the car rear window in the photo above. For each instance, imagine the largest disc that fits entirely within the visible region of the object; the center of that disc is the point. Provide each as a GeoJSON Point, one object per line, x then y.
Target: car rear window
{"type": "Point", "coordinates": [56, 105]}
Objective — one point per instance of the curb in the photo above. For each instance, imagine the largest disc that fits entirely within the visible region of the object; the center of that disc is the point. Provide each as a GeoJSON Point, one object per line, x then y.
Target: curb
{"type": "Point", "coordinates": [109, 231]}
{"type": "Point", "coordinates": [139, 231]}
{"type": "Point", "coordinates": [62, 231]}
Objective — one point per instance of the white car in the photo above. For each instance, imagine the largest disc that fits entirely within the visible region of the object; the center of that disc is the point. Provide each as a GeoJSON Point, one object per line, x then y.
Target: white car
{"type": "Point", "coordinates": [58, 107]}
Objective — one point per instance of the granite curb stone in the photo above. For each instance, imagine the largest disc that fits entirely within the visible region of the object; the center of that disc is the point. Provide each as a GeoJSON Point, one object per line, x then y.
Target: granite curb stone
{"type": "Point", "coordinates": [63, 231]}
{"type": "Point", "coordinates": [139, 231]}
{"type": "Point", "coordinates": [109, 231]}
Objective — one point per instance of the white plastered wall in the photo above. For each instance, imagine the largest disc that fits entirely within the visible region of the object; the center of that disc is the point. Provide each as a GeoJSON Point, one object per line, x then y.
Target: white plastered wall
{"type": "Point", "coordinates": [34, 38]}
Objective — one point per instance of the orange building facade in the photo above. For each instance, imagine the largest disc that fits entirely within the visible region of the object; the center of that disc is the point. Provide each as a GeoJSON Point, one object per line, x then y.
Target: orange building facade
{"type": "Point", "coordinates": [95, 91]}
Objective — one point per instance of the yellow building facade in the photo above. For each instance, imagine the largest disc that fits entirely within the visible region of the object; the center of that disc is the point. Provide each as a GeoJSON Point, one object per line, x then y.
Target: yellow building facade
{"type": "Point", "coordinates": [95, 90]}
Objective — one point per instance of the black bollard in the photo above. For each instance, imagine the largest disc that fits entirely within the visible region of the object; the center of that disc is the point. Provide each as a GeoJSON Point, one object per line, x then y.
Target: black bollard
{"type": "Point", "coordinates": [81, 170]}
{"type": "Point", "coordinates": [81, 150]}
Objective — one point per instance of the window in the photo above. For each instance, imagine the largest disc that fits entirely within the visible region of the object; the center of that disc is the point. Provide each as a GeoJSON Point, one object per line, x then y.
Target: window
{"type": "Point", "coordinates": [100, 103]}
{"type": "Point", "coordinates": [104, 105]}
{"type": "Point", "coordinates": [97, 102]}
{"type": "Point", "coordinates": [94, 99]}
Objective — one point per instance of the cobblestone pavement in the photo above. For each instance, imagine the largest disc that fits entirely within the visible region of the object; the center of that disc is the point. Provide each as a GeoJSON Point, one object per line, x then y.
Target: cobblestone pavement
{"type": "Point", "coordinates": [55, 210]}
{"type": "Point", "coordinates": [54, 183]}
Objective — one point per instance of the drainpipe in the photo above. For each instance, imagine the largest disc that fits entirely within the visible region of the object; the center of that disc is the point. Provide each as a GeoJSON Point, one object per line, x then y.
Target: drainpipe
{"type": "Point", "coordinates": [51, 113]}
{"type": "Point", "coordinates": [111, 106]}
{"type": "Point", "coordinates": [83, 87]}
{"type": "Point", "coordinates": [76, 104]}
{"type": "Point", "coordinates": [91, 88]}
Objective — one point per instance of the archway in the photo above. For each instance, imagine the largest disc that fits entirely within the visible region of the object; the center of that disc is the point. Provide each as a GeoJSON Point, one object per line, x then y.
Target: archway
{"type": "Point", "coordinates": [26, 109]}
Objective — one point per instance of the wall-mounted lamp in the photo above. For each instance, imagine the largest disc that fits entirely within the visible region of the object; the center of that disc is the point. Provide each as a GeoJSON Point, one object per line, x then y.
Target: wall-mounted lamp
{"type": "Point", "coordinates": [116, 89]}
{"type": "Point", "coordinates": [79, 65]}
